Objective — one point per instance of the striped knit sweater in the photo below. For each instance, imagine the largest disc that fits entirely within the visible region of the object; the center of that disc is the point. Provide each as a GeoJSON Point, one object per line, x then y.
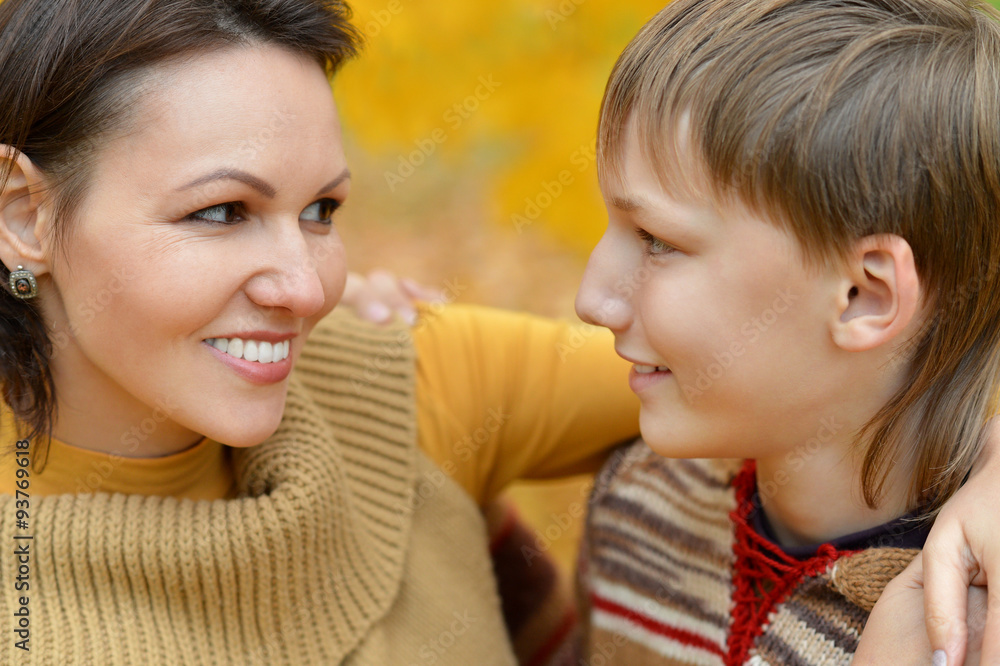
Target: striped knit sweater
{"type": "Point", "coordinates": [672, 571]}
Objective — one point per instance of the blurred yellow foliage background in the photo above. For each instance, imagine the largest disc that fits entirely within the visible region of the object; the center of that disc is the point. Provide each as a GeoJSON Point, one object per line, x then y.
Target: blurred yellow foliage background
{"type": "Point", "coordinates": [498, 97]}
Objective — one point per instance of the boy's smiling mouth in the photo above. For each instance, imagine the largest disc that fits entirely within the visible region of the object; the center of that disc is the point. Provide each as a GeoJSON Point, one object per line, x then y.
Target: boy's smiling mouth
{"type": "Point", "coordinates": [644, 375]}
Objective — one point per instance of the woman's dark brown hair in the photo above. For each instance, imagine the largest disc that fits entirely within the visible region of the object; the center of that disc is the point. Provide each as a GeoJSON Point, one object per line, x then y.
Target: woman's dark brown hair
{"type": "Point", "coordinates": [71, 70]}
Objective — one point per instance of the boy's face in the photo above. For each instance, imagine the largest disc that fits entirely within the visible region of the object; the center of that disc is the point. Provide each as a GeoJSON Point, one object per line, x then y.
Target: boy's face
{"type": "Point", "coordinates": [728, 331]}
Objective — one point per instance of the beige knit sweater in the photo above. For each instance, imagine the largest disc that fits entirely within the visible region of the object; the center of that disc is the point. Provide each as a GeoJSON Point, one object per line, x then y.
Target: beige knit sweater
{"type": "Point", "coordinates": [346, 544]}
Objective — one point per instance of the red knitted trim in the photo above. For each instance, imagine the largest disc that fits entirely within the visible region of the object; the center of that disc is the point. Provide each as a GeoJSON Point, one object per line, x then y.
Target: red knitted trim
{"type": "Point", "coordinates": [763, 575]}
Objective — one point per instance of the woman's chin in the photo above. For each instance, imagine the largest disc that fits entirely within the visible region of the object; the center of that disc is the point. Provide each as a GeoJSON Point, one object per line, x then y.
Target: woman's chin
{"type": "Point", "coordinates": [248, 434]}
{"type": "Point", "coordinates": [245, 442]}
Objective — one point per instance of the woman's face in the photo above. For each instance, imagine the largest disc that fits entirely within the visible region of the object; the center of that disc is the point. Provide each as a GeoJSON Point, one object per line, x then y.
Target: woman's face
{"type": "Point", "coordinates": [207, 220]}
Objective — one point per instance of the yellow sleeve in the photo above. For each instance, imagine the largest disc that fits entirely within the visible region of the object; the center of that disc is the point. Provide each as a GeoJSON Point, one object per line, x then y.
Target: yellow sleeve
{"type": "Point", "coordinates": [503, 395]}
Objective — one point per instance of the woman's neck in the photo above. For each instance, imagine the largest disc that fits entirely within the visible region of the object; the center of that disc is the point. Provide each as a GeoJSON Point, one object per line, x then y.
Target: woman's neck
{"type": "Point", "coordinates": [154, 435]}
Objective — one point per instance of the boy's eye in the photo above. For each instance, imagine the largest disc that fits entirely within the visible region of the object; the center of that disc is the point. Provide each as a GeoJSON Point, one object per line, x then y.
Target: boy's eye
{"type": "Point", "coordinates": [653, 245]}
{"type": "Point", "coordinates": [322, 211]}
{"type": "Point", "coordinates": [227, 213]}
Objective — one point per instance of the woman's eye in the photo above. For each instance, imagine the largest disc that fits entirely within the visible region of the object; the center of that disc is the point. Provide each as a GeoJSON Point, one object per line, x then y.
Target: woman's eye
{"type": "Point", "coordinates": [227, 213]}
{"type": "Point", "coordinates": [322, 211]}
{"type": "Point", "coordinates": [653, 245]}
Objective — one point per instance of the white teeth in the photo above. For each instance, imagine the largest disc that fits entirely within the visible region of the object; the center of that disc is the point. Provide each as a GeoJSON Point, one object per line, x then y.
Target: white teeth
{"type": "Point", "coordinates": [265, 353]}
{"type": "Point", "coordinates": [650, 369]}
{"type": "Point", "coordinates": [253, 350]}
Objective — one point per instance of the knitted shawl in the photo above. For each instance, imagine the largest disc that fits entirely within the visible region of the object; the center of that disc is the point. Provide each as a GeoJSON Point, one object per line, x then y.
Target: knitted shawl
{"type": "Point", "coordinates": [344, 545]}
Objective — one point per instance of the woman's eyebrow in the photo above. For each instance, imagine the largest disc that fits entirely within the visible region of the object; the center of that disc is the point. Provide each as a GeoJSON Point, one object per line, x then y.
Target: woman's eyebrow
{"type": "Point", "coordinates": [345, 174]}
{"type": "Point", "coordinates": [234, 174]}
{"type": "Point", "coordinates": [256, 183]}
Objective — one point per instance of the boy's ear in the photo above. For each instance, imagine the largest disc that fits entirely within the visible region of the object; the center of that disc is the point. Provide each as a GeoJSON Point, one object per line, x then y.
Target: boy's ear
{"type": "Point", "coordinates": [879, 294]}
{"type": "Point", "coordinates": [25, 216]}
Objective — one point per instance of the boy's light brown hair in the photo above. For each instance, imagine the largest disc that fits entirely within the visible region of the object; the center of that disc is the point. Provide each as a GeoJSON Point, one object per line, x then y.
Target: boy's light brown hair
{"type": "Point", "coordinates": [839, 119]}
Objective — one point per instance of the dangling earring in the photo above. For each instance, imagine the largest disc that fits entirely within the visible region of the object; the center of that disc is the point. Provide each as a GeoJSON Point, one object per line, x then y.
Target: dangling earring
{"type": "Point", "coordinates": [22, 284]}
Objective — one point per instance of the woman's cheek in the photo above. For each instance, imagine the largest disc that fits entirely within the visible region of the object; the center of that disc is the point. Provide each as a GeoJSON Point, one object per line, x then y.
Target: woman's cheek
{"type": "Point", "coordinates": [333, 273]}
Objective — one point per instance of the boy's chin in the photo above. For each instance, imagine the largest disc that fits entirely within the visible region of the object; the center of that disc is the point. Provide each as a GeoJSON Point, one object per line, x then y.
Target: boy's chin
{"type": "Point", "coordinates": [673, 444]}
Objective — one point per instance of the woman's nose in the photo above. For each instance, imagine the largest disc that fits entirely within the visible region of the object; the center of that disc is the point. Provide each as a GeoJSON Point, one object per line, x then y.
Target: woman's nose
{"type": "Point", "coordinates": [296, 277]}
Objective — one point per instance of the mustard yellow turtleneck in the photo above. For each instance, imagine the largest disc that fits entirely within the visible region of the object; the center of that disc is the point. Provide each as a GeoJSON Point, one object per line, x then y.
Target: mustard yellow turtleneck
{"type": "Point", "coordinates": [500, 396]}
{"type": "Point", "coordinates": [201, 472]}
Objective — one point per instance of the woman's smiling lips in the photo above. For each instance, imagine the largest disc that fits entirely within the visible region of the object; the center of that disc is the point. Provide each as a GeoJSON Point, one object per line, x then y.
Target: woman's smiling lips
{"type": "Point", "coordinates": [260, 357]}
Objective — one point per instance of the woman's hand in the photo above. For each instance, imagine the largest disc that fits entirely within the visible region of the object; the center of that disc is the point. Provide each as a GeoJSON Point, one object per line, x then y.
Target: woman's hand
{"type": "Point", "coordinates": [941, 604]}
{"type": "Point", "coordinates": [382, 296]}
{"type": "Point", "coordinates": [895, 634]}
{"type": "Point", "coordinates": [964, 549]}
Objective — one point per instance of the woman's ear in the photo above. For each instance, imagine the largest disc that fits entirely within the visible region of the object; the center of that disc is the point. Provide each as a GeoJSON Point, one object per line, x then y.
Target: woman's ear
{"type": "Point", "coordinates": [25, 215]}
{"type": "Point", "coordinates": [879, 294]}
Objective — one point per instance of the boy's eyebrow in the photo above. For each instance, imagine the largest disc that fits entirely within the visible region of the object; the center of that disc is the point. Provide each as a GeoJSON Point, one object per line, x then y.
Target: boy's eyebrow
{"type": "Point", "coordinates": [628, 204]}
{"type": "Point", "coordinates": [682, 223]}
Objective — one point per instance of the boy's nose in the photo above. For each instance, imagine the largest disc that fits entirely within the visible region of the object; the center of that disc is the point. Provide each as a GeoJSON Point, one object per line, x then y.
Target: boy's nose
{"type": "Point", "coordinates": [598, 302]}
